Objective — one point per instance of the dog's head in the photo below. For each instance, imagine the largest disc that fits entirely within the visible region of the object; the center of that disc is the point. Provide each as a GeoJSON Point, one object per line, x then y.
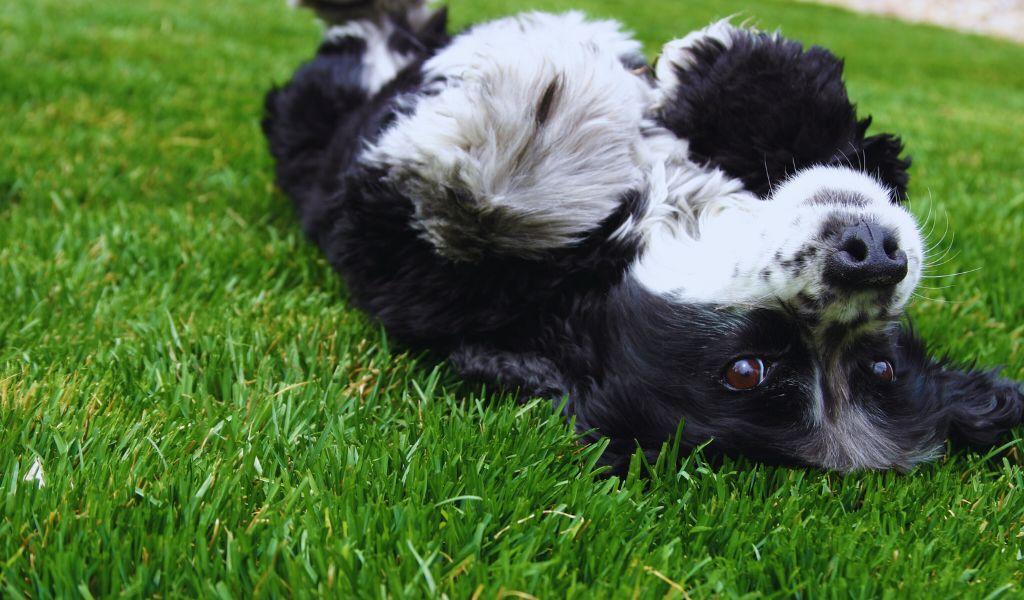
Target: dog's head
{"type": "Point", "coordinates": [770, 319]}
{"type": "Point", "coordinates": [756, 383]}
{"type": "Point", "coordinates": [775, 329]}
{"type": "Point", "coordinates": [772, 326]}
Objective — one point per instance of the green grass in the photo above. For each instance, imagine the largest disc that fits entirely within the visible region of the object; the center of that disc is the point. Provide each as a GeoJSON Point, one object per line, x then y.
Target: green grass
{"type": "Point", "coordinates": [213, 420]}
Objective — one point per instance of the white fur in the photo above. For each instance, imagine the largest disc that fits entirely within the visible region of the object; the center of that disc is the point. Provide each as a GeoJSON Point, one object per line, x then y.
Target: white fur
{"type": "Point", "coordinates": [850, 437]}
{"type": "Point", "coordinates": [678, 53]}
{"type": "Point", "coordinates": [737, 238]}
{"type": "Point", "coordinates": [380, 63]}
{"type": "Point", "coordinates": [854, 440]}
{"type": "Point", "coordinates": [531, 38]}
{"type": "Point", "coordinates": [847, 436]}
{"type": "Point", "coordinates": [476, 132]}
{"type": "Point", "coordinates": [678, 191]}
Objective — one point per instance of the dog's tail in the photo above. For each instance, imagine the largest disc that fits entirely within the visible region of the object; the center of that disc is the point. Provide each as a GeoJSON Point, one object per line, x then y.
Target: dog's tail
{"type": "Point", "coordinates": [314, 122]}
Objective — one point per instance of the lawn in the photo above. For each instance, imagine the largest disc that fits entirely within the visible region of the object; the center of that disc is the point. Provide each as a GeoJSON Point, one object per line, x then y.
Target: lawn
{"type": "Point", "coordinates": [211, 419]}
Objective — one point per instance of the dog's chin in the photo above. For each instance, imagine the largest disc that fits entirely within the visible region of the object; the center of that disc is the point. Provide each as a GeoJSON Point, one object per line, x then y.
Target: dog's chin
{"type": "Point", "coordinates": [861, 308]}
{"type": "Point", "coordinates": [847, 313]}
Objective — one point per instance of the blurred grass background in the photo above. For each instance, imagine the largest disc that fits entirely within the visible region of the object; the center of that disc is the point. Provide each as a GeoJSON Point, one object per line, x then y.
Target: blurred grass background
{"type": "Point", "coordinates": [211, 419]}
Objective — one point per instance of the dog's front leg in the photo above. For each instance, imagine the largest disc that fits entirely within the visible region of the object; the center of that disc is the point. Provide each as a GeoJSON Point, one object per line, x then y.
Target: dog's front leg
{"type": "Point", "coordinates": [531, 374]}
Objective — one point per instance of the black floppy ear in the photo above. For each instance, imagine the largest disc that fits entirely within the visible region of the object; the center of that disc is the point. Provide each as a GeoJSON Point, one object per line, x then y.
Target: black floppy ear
{"type": "Point", "coordinates": [532, 374]}
{"type": "Point", "coordinates": [880, 157]}
{"type": "Point", "coordinates": [982, 407]}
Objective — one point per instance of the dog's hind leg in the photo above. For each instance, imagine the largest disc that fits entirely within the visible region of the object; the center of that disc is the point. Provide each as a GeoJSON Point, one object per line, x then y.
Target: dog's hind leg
{"type": "Point", "coordinates": [302, 117]}
{"type": "Point", "coordinates": [314, 124]}
{"type": "Point", "coordinates": [524, 139]}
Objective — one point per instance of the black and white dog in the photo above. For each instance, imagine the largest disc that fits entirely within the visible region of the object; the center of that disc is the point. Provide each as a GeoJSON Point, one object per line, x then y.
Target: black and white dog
{"type": "Point", "coordinates": [714, 242]}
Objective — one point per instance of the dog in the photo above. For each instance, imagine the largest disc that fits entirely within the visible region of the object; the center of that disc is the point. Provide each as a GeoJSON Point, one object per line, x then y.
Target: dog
{"type": "Point", "coordinates": [713, 248]}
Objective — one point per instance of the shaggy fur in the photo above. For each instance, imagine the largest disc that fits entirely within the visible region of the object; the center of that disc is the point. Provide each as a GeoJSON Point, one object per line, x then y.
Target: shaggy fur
{"type": "Point", "coordinates": [533, 202]}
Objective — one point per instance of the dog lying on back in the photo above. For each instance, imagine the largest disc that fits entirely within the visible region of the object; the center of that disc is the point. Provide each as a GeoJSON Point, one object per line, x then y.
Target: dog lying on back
{"type": "Point", "coordinates": [716, 241]}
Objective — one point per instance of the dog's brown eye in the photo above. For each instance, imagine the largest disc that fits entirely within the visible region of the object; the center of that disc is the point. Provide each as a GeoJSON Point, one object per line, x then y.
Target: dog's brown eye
{"type": "Point", "coordinates": [882, 369]}
{"type": "Point", "coordinates": [745, 374]}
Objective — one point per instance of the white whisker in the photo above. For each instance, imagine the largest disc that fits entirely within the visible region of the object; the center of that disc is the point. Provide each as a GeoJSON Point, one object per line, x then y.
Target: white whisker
{"type": "Point", "coordinates": [937, 244]}
{"type": "Point", "coordinates": [941, 260]}
{"type": "Point", "coordinates": [951, 274]}
{"type": "Point", "coordinates": [939, 300]}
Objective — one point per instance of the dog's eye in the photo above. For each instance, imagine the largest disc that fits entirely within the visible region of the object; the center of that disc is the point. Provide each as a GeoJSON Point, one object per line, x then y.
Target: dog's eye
{"type": "Point", "coordinates": [745, 374]}
{"type": "Point", "coordinates": [882, 369]}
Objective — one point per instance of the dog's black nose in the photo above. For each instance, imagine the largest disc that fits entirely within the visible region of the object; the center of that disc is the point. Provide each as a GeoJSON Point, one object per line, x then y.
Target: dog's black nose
{"type": "Point", "coordinates": [866, 255]}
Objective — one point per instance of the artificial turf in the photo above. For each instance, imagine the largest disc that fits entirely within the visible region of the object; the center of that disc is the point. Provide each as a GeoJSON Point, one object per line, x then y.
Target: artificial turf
{"type": "Point", "coordinates": [211, 419]}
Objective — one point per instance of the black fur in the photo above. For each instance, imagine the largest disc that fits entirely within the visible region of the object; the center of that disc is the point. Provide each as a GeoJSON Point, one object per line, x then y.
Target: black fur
{"type": "Point", "coordinates": [570, 325]}
{"type": "Point", "coordinates": [764, 108]}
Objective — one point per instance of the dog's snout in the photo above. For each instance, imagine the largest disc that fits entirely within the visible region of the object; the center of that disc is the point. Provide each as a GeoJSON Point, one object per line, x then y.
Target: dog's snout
{"type": "Point", "coordinates": [866, 255]}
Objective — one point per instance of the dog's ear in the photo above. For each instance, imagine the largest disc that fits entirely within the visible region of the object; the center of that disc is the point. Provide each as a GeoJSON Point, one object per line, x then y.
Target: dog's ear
{"type": "Point", "coordinates": [880, 157]}
{"type": "Point", "coordinates": [531, 374]}
{"type": "Point", "coordinates": [982, 407]}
